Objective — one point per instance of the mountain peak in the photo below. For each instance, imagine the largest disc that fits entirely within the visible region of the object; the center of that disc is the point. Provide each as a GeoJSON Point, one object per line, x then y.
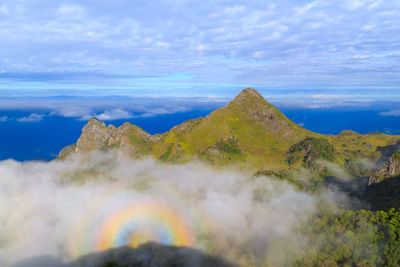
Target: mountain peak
{"type": "Point", "coordinates": [251, 105]}
{"type": "Point", "coordinates": [251, 100]}
{"type": "Point", "coordinates": [248, 93]}
{"type": "Point", "coordinates": [96, 121]}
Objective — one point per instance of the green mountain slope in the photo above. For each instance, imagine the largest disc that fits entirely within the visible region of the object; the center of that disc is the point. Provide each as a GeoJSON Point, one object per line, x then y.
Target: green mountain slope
{"type": "Point", "coordinates": [259, 133]}
{"type": "Point", "coordinates": [249, 132]}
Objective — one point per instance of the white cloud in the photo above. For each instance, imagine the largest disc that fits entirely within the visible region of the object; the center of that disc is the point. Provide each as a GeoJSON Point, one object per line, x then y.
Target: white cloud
{"type": "Point", "coordinates": [70, 11]}
{"type": "Point", "coordinates": [71, 110]}
{"type": "Point", "coordinates": [163, 44]}
{"type": "Point", "coordinates": [163, 111]}
{"type": "Point", "coordinates": [114, 114]}
{"type": "Point", "coordinates": [390, 113]}
{"type": "Point", "coordinates": [43, 211]}
{"type": "Point", "coordinates": [354, 4]}
{"type": "Point", "coordinates": [200, 47]}
{"type": "Point", "coordinates": [109, 108]}
{"type": "Point", "coordinates": [33, 117]}
{"type": "Point", "coordinates": [235, 10]}
{"type": "Point", "coordinates": [375, 4]}
{"type": "Point", "coordinates": [308, 44]}
{"type": "Point", "coordinates": [323, 96]}
{"type": "Point", "coordinates": [368, 27]}
{"type": "Point", "coordinates": [3, 118]}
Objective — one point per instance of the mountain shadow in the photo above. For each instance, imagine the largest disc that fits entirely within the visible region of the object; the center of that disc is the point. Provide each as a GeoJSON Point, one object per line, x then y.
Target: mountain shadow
{"type": "Point", "coordinates": [384, 195]}
{"type": "Point", "coordinates": [387, 152]}
{"type": "Point", "coordinates": [146, 255]}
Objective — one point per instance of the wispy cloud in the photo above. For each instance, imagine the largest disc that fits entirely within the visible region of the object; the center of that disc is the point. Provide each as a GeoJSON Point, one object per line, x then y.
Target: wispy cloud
{"type": "Point", "coordinates": [390, 113]}
{"type": "Point", "coordinates": [3, 118]}
{"type": "Point", "coordinates": [33, 117]}
{"type": "Point", "coordinates": [186, 46]}
{"type": "Point", "coordinates": [114, 114]}
{"type": "Point", "coordinates": [104, 108]}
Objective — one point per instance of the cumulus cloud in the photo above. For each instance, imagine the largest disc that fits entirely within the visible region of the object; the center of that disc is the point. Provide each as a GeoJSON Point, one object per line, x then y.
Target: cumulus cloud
{"type": "Point", "coordinates": [63, 208]}
{"type": "Point", "coordinates": [33, 117]}
{"type": "Point", "coordinates": [71, 110]}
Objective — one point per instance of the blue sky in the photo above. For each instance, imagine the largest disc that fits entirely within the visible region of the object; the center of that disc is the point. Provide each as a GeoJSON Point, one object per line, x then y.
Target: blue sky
{"type": "Point", "coordinates": [200, 48]}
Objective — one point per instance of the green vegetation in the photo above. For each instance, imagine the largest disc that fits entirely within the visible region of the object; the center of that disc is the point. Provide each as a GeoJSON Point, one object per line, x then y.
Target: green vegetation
{"type": "Point", "coordinates": [167, 153]}
{"type": "Point", "coordinates": [229, 145]}
{"type": "Point", "coordinates": [352, 238]}
{"type": "Point", "coordinates": [309, 150]}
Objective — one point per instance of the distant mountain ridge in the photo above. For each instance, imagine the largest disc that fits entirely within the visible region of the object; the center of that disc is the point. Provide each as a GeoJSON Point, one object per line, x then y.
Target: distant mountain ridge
{"type": "Point", "coordinates": [249, 132]}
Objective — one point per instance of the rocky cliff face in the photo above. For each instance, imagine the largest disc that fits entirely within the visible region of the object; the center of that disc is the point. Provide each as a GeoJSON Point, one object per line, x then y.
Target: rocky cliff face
{"type": "Point", "coordinates": [389, 169]}
{"type": "Point", "coordinates": [97, 136]}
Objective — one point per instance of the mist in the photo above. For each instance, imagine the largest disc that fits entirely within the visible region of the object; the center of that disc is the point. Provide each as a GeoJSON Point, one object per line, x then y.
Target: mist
{"type": "Point", "coordinates": [65, 209]}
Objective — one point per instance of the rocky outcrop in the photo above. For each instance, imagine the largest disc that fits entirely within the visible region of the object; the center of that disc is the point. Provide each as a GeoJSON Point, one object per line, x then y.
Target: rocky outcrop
{"type": "Point", "coordinates": [389, 169]}
{"type": "Point", "coordinates": [97, 136]}
{"type": "Point", "coordinates": [257, 108]}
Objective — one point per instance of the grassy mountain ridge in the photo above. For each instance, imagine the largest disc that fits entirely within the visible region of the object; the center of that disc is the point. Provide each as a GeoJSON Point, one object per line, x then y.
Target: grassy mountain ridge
{"type": "Point", "coordinates": [249, 132]}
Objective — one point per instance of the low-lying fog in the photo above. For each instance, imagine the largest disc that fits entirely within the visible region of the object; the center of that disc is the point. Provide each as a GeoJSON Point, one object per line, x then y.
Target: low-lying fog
{"type": "Point", "coordinates": [93, 203]}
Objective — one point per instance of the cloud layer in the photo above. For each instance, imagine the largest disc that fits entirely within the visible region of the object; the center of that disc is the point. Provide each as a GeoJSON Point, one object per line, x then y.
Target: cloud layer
{"type": "Point", "coordinates": [104, 108]}
{"type": "Point", "coordinates": [60, 208]}
{"type": "Point", "coordinates": [184, 47]}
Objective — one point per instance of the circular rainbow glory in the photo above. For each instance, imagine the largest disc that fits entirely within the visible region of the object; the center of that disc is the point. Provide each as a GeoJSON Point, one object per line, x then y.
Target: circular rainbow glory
{"type": "Point", "coordinates": [126, 220]}
{"type": "Point", "coordinates": [144, 222]}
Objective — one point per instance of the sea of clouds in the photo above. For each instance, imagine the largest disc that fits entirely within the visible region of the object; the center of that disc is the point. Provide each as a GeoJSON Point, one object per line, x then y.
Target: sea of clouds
{"type": "Point", "coordinates": [231, 214]}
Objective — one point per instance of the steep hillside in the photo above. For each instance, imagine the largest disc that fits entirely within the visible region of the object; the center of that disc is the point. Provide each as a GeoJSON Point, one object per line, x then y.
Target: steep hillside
{"type": "Point", "coordinates": [249, 132]}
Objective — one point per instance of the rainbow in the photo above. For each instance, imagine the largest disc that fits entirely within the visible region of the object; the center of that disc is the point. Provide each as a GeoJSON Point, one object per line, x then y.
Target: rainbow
{"type": "Point", "coordinates": [123, 220]}
{"type": "Point", "coordinates": [144, 222]}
